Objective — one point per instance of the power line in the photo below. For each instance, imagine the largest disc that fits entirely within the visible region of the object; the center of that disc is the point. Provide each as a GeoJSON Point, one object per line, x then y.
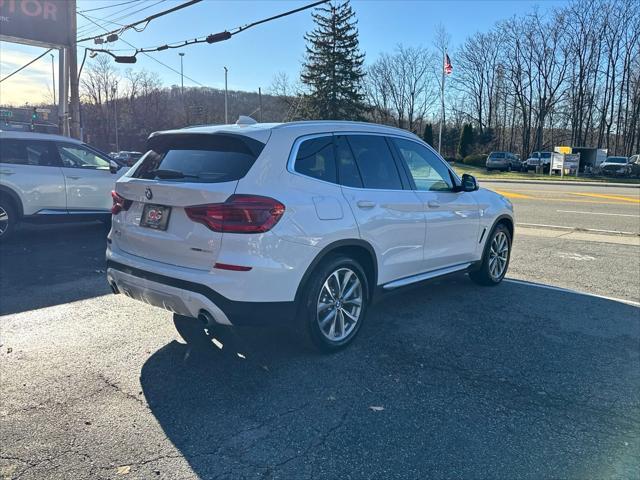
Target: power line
{"type": "Point", "coordinates": [109, 6]}
{"type": "Point", "coordinates": [133, 46]}
{"type": "Point", "coordinates": [88, 30]}
{"type": "Point", "coordinates": [25, 66]}
{"type": "Point", "coordinates": [145, 20]}
{"type": "Point", "coordinates": [217, 37]}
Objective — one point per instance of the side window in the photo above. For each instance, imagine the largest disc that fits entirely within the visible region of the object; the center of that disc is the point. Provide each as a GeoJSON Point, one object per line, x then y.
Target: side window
{"type": "Point", "coordinates": [375, 162]}
{"type": "Point", "coordinates": [22, 152]}
{"type": "Point", "coordinates": [427, 170]}
{"type": "Point", "coordinates": [77, 156]}
{"type": "Point", "coordinates": [347, 168]}
{"type": "Point", "coordinates": [316, 159]}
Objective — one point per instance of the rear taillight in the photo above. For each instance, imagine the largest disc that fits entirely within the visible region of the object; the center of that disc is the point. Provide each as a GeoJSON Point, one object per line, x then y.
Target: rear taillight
{"type": "Point", "coordinates": [119, 203]}
{"type": "Point", "coordinates": [239, 214]}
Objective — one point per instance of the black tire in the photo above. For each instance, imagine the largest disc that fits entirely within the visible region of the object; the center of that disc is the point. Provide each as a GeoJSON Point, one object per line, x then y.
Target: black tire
{"type": "Point", "coordinates": [314, 288]}
{"type": "Point", "coordinates": [483, 275]}
{"type": "Point", "coordinates": [8, 218]}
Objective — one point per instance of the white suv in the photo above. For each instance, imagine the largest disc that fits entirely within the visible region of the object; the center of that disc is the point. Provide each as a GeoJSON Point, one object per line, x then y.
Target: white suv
{"type": "Point", "coordinates": [50, 178]}
{"type": "Point", "coordinates": [305, 221]}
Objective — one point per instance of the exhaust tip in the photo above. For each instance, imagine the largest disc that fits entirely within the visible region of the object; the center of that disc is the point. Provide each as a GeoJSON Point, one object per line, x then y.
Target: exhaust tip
{"type": "Point", "coordinates": [206, 318]}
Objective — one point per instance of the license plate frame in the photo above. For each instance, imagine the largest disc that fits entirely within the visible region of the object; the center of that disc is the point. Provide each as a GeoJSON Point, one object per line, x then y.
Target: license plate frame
{"type": "Point", "coordinates": [155, 216]}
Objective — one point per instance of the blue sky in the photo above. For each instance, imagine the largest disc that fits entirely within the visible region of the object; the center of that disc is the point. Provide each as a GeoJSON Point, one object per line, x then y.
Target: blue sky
{"type": "Point", "coordinates": [255, 56]}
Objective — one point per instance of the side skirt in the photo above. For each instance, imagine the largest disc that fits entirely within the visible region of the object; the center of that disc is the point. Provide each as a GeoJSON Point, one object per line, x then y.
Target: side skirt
{"type": "Point", "coordinates": [403, 284]}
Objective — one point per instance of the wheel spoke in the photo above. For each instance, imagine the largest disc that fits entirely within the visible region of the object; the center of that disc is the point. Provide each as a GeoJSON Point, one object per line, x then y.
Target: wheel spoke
{"type": "Point", "coordinates": [341, 322]}
{"type": "Point", "coordinates": [350, 315]}
{"type": "Point", "coordinates": [345, 281]}
{"type": "Point", "coordinates": [328, 289]}
{"type": "Point", "coordinates": [336, 279]}
{"type": "Point", "coordinates": [332, 330]}
{"type": "Point", "coordinates": [322, 306]}
{"type": "Point", "coordinates": [331, 315]}
{"type": "Point", "coordinates": [351, 289]}
{"type": "Point", "coordinates": [354, 301]}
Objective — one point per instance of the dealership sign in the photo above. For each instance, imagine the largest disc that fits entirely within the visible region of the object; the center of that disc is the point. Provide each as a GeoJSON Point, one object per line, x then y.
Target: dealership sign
{"type": "Point", "coordinates": [36, 22]}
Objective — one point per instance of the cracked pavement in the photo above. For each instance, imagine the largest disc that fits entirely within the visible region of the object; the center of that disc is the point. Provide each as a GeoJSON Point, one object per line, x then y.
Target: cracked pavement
{"type": "Point", "coordinates": [499, 383]}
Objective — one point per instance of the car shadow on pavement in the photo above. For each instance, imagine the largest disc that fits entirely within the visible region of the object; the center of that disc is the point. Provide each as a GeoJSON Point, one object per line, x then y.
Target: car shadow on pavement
{"type": "Point", "coordinates": [446, 380]}
{"type": "Point", "coordinates": [45, 265]}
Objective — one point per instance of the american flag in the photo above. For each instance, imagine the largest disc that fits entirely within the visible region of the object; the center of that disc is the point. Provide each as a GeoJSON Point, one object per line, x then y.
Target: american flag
{"type": "Point", "coordinates": [448, 68]}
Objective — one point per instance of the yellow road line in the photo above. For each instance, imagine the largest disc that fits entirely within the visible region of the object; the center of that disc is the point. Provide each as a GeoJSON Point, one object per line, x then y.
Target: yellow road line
{"type": "Point", "coordinates": [620, 198]}
{"type": "Point", "coordinates": [513, 194]}
{"type": "Point", "coordinates": [546, 199]}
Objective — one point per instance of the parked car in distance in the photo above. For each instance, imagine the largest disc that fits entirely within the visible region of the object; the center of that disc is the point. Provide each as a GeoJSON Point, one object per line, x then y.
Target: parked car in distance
{"type": "Point", "coordinates": [305, 221]}
{"type": "Point", "coordinates": [504, 161]}
{"type": "Point", "coordinates": [51, 178]}
{"type": "Point", "coordinates": [616, 166]}
{"type": "Point", "coordinates": [128, 158]}
{"type": "Point", "coordinates": [537, 159]}
{"type": "Point", "coordinates": [634, 161]}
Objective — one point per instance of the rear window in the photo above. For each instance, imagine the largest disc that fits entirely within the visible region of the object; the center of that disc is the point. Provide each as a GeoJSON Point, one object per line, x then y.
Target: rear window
{"type": "Point", "coordinates": [199, 158]}
{"type": "Point", "coordinates": [497, 155]}
{"type": "Point", "coordinates": [316, 159]}
{"type": "Point", "coordinates": [546, 155]}
{"type": "Point", "coordinates": [24, 152]}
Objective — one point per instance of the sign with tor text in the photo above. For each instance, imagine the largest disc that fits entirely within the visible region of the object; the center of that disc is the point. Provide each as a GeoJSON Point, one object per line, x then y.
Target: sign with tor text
{"type": "Point", "coordinates": [44, 23]}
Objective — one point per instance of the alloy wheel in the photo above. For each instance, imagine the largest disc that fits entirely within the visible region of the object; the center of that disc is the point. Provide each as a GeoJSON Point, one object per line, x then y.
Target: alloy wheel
{"type": "Point", "coordinates": [4, 221]}
{"type": "Point", "coordinates": [498, 255]}
{"type": "Point", "coordinates": [339, 304]}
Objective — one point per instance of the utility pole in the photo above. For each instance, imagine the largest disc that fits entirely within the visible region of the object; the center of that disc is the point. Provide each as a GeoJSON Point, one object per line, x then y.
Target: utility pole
{"type": "Point", "coordinates": [181, 75]}
{"type": "Point", "coordinates": [114, 98]}
{"type": "Point", "coordinates": [62, 94]}
{"type": "Point", "coordinates": [226, 105]}
{"type": "Point", "coordinates": [444, 59]}
{"type": "Point", "coordinates": [260, 99]}
{"type": "Point", "coordinates": [53, 79]}
{"type": "Point", "coordinates": [74, 87]}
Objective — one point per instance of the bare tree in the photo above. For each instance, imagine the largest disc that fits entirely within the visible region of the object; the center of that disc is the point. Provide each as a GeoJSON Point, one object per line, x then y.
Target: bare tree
{"type": "Point", "coordinates": [400, 87]}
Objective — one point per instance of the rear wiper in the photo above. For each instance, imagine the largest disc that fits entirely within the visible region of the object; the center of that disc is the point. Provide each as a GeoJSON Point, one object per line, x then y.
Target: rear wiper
{"type": "Point", "coordinates": [167, 173]}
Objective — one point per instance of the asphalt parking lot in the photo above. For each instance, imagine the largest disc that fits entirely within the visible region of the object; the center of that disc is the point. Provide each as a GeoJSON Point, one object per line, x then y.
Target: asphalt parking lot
{"type": "Point", "coordinates": [536, 378]}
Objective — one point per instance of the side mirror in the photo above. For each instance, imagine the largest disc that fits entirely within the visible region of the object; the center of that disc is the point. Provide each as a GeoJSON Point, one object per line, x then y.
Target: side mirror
{"type": "Point", "coordinates": [113, 166]}
{"type": "Point", "coordinates": [469, 183]}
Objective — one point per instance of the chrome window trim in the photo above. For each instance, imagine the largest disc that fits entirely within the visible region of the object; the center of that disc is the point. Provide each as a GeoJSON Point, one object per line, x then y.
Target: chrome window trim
{"type": "Point", "coordinates": [296, 145]}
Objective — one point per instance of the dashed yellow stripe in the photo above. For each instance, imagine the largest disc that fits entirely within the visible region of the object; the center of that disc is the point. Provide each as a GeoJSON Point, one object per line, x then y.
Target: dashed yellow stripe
{"type": "Point", "coordinates": [512, 194]}
{"type": "Point", "coordinates": [620, 198]}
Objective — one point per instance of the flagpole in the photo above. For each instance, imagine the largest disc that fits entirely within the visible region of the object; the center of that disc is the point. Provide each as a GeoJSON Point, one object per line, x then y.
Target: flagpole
{"type": "Point", "coordinates": [444, 53]}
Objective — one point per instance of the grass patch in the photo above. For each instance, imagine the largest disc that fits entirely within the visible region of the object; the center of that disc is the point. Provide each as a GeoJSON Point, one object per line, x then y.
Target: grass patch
{"type": "Point", "coordinates": [482, 174]}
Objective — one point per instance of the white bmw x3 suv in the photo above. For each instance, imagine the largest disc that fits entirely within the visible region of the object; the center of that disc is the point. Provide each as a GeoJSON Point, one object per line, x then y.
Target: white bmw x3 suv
{"type": "Point", "coordinates": [305, 221]}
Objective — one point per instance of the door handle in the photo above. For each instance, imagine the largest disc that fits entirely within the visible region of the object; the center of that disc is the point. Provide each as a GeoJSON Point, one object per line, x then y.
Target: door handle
{"type": "Point", "coordinates": [366, 204]}
{"type": "Point", "coordinates": [433, 204]}
{"type": "Point", "coordinates": [73, 177]}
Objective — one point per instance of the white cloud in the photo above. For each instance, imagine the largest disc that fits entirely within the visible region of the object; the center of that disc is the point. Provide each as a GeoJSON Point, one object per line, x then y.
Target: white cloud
{"type": "Point", "coordinates": [32, 85]}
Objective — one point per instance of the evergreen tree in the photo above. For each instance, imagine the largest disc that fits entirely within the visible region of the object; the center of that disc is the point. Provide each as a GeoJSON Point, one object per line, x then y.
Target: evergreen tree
{"type": "Point", "coordinates": [427, 136]}
{"type": "Point", "coordinates": [333, 70]}
{"type": "Point", "coordinates": [466, 139]}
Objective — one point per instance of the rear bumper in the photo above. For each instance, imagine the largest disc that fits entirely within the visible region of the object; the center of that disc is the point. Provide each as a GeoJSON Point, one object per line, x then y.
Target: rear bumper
{"type": "Point", "coordinates": [190, 299]}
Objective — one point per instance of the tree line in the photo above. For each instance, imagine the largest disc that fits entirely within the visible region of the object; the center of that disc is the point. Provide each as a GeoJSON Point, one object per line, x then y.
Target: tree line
{"type": "Point", "coordinates": [566, 76]}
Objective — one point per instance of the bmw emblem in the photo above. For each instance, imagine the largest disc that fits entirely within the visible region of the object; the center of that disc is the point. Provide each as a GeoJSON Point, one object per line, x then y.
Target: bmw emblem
{"type": "Point", "coordinates": [148, 193]}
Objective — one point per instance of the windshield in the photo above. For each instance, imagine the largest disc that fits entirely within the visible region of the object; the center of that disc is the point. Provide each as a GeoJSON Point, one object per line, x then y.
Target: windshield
{"type": "Point", "coordinates": [497, 155]}
{"type": "Point", "coordinates": [617, 160]}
